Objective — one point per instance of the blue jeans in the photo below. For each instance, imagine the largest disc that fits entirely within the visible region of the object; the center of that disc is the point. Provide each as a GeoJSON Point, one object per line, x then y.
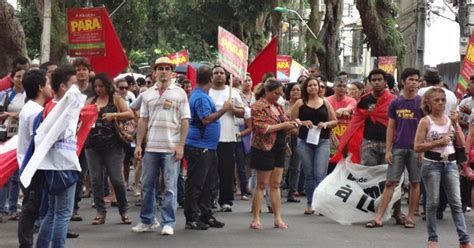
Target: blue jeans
{"type": "Point", "coordinates": [447, 172]}
{"type": "Point", "coordinates": [152, 162]}
{"type": "Point", "coordinates": [53, 229]}
{"type": "Point", "coordinates": [314, 160]}
{"type": "Point", "coordinates": [10, 191]}
{"type": "Point", "coordinates": [241, 162]}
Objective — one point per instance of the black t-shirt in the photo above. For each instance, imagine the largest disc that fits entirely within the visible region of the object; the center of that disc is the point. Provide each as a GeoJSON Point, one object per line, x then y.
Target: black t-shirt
{"type": "Point", "coordinates": [316, 116]}
{"type": "Point", "coordinates": [373, 130]}
{"type": "Point", "coordinates": [89, 92]}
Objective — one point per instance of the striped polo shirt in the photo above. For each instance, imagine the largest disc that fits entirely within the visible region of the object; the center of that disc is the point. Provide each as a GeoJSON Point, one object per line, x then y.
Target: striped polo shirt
{"type": "Point", "coordinates": [164, 113]}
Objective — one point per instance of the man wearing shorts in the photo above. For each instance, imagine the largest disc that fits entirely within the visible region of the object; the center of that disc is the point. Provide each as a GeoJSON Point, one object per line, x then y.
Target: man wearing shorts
{"type": "Point", "coordinates": [404, 115]}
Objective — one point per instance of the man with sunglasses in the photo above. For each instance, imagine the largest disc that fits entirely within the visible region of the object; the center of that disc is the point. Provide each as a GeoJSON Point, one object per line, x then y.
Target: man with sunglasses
{"type": "Point", "coordinates": [164, 121]}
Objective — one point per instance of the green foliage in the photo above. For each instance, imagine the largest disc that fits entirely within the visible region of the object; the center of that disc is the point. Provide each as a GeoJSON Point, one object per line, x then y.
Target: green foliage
{"type": "Point", "coordinates": [32, 26]}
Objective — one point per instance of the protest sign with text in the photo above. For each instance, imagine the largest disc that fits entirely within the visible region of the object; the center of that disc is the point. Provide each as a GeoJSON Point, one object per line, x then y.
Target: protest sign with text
{"type": "Point", "coordinates": [388, 64]}
{"type": "Point", "coordinates": [284, 67]}
{"type": "Point", "coordinates": [232, 53]}
{"type": "Point", "coordinates": [85, 32]}
{"type": "Point", "coordinates": [467, 69]}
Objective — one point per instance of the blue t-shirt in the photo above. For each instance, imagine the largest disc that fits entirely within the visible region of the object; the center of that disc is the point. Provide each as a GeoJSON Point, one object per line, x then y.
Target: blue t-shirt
{"type": "Point", "coordinates": [202, 136]}
{"type": "Point", "coordinates": [407, 114]}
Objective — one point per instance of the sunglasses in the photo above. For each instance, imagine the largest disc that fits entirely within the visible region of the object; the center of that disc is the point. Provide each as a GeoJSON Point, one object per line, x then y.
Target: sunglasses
{"type": "Point", "coordinates": [161, 68]}
{"type": "Point", "coordinates": [123, 88]}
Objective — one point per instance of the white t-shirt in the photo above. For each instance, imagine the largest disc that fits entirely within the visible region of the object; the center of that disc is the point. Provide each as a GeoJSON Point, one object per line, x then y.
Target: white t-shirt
{"type": "Point", "coordinates": [131, 96]}
{"type": "Point", "coordinates": [451, 100]}
{"type": "Point", "coordinates": [25, 128]}
{"type": "Point", "coordinates": [15, 105]}
{"type": "Point", "coordinates": [227, 121]}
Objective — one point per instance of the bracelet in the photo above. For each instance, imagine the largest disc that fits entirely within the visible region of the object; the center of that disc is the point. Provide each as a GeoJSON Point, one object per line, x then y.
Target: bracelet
{"type": "Point", "coordinates": [115, 115]}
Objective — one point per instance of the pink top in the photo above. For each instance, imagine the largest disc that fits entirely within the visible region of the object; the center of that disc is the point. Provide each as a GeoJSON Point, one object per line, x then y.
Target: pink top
{"type": "Point", "coordinates": [436, 131]}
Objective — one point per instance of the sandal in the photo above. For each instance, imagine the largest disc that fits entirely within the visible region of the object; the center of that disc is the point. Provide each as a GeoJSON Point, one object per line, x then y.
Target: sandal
{"type": "Point", "coordinates": [281, 225]}
{"type": "Point", "coordinates": [432, 244]}
{"type": "Point", "coordinates": [308, 211]}
{"type": "Point", "coordinates": [98, 220]}
{"type": "Point", "coordinates": [256, 226]}
{"type": "Point", "coordinates": [373, 224]}
{"type": "Point", "coordinates": [126, 219]}
{"type": "Point", "coordinates": [409, 224]}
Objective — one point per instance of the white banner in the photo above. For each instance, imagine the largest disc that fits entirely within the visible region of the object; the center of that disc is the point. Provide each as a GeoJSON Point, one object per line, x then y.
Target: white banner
{"type": "Point", "coordinates": [352, 193]}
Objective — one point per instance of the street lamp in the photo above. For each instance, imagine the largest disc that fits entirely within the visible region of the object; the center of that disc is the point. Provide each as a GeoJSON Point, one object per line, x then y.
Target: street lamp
{"type": "Point", "coordinates": [284, 10]}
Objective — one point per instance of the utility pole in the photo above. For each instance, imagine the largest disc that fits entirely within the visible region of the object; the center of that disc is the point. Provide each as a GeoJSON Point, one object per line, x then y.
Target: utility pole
{"type": "Point", "coordinates": [464, 26]}
{"type": "Point", "coordinates": [46, 35]}
{"type": "Point", "coordinates": [420, 33]}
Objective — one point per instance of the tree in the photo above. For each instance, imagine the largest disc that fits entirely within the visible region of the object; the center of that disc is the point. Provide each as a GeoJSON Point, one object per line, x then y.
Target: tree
{"type": "Point", "coordinates": [328, 36]}
{"type": "Point", "coordinates": [379, 25]}
{"type": "Point", "coordinates": [12, 37]}
{"type": "Point", "coordinates": [314, 23]}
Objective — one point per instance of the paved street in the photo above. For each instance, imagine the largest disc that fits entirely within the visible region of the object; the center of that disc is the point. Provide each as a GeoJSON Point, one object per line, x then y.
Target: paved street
{"type": "Point", "coordinates": [304, 231]}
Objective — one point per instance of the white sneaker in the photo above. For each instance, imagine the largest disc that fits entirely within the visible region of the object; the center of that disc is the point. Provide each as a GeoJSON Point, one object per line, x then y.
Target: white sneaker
{"type": "Point", "coordinates": [167, 230]}
{"type": "Point", "coordinates": [141, 227]}
{"type": "Point", "coordinates": [226, 208]}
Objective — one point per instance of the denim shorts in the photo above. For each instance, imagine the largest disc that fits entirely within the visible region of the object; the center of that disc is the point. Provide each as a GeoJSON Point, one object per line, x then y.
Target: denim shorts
{"type": "Point", "coordinates": [401, 159]}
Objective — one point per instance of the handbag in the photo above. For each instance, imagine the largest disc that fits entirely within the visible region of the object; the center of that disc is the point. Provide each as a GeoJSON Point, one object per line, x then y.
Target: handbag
{"type": "Point", "coordinates": [125, 129]}
{"type": "Point", "coordinates": [58, 181]}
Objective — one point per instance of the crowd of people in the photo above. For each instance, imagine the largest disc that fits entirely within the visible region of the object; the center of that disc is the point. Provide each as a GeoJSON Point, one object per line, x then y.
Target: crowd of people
{"type": "Point", "coordinates": [200, 147]}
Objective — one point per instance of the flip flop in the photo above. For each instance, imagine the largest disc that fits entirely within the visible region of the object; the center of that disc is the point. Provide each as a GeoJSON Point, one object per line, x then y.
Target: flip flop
{"type": "Point", "coordinates": [256, 226]}
{"type": "Point", "coordinates": [373, 224]}
{"type": "Point", "coordinates": [309, 212]}
{"type": "Point", "coordinates": [409, 224]}
{"type": "Point", "coordinates": [281, 225]}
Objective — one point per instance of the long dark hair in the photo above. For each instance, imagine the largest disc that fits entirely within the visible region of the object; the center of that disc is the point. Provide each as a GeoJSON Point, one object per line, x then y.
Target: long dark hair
{"type": "Point", "coordinates": [110, 88]}
{"type": "Point", "coordinates": [304, 88]}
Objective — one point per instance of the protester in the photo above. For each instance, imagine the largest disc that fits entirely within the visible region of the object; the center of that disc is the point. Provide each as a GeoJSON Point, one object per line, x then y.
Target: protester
{"type": "Point", "coordinates": [38, 91]}
{"type": "Point", "coordinates": [60, 204]}
{"type": "Point", "coordinates": [292, 162]}
{"type": "Point", "coordinates": [12, 101]}
{"type": "Point", "coordinates": [404, 115]}
{"type": "Point", "coordinates": [227, 139]}
{"type": "Point", "coordinates": [49, 67]}
{"type": "Point", "coordinates": [83, 73]}
{"type": "Point", "coordinates": [316, 115]}
{"type": "Point", "coordinates": [103, 148]}
{"type": "Point", "coordinates": [187, 87]}
{"type": "Point", "coordinates": [270, 126]}
{"type": "Point", "coordinates": [356, 89]}
{"type": "Point", "coordinates": [20, 62]}
{"type": "Point", "coordinates": [314, 71]}
{"type": "Point", "coordinates": [343, 106]}
{"type": "Point", "coordinates": [434, 137]}
{"type": "Point", "coordinates": [165, 106]}
{"type": "Point", "coordinates": [200, 152]}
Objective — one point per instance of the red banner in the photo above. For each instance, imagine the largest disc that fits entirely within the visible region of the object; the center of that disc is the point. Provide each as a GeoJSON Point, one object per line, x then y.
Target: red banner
{"type": "Point", "coordinates": [85, 29]}
{"type": "Point", "coordinates": [388, 64]}
{"type": "Point", "coordinates": [467, 69]}
{"type": "Point", "coordinates": [284, 67]}
{"type": "Point", "coordinates": [179, 58]}
{"type": "Point", "coordinates": [232, 53]}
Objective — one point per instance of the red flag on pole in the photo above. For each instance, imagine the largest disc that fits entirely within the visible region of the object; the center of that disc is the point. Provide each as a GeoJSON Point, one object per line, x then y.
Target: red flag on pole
{"type": "Point", "coordinates": [191, 74]}
{"type": "Point", "coordinates": [115, 59]}
{"type": "Point", "coordinates": [266, 61]}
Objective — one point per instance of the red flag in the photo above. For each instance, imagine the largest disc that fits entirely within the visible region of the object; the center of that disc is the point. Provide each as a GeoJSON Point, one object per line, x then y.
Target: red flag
{"type": "Point", "coordinates": [191, 74]}
{"type": "Point", "coordinates": [115, 59]}
{"type": "Point", "coordinates": [266, 61]}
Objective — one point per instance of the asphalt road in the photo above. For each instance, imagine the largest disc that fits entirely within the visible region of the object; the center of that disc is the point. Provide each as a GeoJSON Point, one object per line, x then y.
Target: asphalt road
{"type": "Point", "coordinates": [304, 231]}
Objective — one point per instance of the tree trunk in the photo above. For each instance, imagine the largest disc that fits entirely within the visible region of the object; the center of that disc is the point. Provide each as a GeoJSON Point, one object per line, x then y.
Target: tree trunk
{"type": "Point", "coordinates": [276, 18]}
{"type": "Point", "coordinates": [12, 37]}
{"type": "Point", "coordinates": [314, 23]}
{"type": "Point", "coordinates": [379, 26]}
{"type": "Point", "coordinates": [328, 36]}
{"type": "Point", "coordinates": [58, 50]}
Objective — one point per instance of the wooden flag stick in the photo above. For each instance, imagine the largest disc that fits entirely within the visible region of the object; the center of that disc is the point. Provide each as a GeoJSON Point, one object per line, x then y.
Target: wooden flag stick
{"type": "Point", "coordinates": [230, 88]}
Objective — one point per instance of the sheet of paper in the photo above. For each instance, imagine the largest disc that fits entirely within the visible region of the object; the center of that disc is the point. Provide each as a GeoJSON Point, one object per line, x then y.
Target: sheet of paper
{"type": "Point", "coordinates": [313, 136]}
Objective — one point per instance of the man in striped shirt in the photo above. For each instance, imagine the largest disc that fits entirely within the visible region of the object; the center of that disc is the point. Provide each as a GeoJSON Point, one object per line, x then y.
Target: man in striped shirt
{"type": "Point", "coordinates": [164, 121]}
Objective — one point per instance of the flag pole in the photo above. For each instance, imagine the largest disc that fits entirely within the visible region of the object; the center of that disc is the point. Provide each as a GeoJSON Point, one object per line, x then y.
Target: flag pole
{"type": "Point", "coordinates": [230, 87]}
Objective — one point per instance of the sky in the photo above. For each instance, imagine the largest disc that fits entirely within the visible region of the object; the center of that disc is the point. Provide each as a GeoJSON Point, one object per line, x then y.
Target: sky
{"type": "Point", "coordinates": [441, 38]}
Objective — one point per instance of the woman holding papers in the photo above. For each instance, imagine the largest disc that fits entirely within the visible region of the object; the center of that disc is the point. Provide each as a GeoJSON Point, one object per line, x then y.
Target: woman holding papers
{"type": "Point", "coordinates": [270, 129]}
{"type": "Point", "coordinates": [317, 118]}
